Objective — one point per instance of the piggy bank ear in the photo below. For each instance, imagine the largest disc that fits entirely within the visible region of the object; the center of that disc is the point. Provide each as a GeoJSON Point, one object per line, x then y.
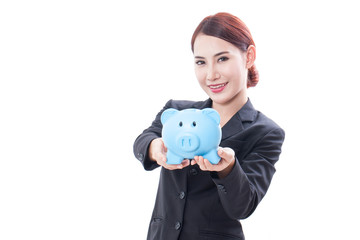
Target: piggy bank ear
{"type": "Point", "coordinates": [213, 114]}
{"type": "Point", "coordinates": [167, 114]}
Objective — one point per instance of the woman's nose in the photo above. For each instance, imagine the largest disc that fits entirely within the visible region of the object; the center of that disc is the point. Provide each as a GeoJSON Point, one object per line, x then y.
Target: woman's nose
{"type": "Point", "coordinates": [212, 74]}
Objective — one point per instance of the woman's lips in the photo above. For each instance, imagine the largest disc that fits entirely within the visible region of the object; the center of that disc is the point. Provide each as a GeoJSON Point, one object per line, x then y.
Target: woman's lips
{"type": "Point", "coordinates": [216, 88]}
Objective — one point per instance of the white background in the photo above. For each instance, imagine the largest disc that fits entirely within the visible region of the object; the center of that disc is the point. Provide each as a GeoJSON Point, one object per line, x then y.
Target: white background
{"type": "Point", "coordinates": [79, 80]}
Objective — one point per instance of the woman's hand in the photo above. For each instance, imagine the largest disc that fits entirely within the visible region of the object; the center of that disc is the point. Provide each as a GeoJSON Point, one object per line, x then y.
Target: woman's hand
{"type": "Point", "coordinates": [157, 153]}
{"type": "Point", "coordinates": [224, 166]}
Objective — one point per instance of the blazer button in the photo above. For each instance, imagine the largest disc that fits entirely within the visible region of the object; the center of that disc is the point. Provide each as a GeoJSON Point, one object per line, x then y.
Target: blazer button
{"type": "Point", "coordinates": [177, 225]}
{"type": "Point", "coordinates": [193, 172]}
{"type": "Point", "coordinates": [182, 195]}
{"type": "Point", "coordinates": [221, 188]}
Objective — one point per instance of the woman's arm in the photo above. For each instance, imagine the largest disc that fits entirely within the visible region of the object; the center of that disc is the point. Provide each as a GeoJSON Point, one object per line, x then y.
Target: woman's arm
{"type": "Point", "coordinates": [149, 148]}
{"type": "Point", "coordinates": [143, 141]}
{"type": "Point", "coordinates": [141, 149]}
{"type": "Point", "coordinates": [241, 187]}
{"type": "Point", "coordinates": [244, 187]}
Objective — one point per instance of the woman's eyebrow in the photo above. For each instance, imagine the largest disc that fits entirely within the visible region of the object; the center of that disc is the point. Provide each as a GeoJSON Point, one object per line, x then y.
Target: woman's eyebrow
{"type": "Point", "coordinates": [221, 53]}
{"type": "Point", "coordinates": [217, 54]}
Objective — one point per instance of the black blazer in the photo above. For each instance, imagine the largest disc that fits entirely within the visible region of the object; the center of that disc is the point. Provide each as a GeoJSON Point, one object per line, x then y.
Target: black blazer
{"type": "Point", "coordinates": [196, 204]}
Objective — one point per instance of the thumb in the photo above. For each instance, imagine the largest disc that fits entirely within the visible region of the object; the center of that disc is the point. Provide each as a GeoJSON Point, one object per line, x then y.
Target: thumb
{"type": "Point", "coordinates": [164, 149]}
{"type": "Point", "coordinates": [226, 153]}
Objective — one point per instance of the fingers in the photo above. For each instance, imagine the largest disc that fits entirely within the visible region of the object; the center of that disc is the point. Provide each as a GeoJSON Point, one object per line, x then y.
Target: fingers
{"type": "Point", "coordinates": [227, 156]}
{"type": "Point", "coordinates": [157, 153]}
{"type": "Point", "coordinates": [157, 150]}
{"type": "Point", "coordinates": [160, 158]}
{"type": "Point", "coordinates": [182, 165]}
{"type": "Point", "coordinates": [162, 161]}
{"type": "Point", "coordinates": [185, 163]}
{"type": "Point", "coordinates": [203, 163]}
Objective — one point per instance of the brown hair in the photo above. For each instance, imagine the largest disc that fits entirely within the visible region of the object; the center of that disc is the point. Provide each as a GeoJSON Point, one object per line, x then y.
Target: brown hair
{"type": "Point", "coordinates": [231, 29]}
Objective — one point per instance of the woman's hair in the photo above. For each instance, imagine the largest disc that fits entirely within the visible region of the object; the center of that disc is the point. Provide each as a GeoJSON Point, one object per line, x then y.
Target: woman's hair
{"type": "Point", "coordinates": [231, 29]}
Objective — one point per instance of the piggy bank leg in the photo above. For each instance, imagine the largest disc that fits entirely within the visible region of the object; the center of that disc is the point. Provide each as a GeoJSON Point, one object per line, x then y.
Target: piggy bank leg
{"type": "Point", "coordinates": [212, 156]}
{"type": "Point", "coordinates": [172, 158]}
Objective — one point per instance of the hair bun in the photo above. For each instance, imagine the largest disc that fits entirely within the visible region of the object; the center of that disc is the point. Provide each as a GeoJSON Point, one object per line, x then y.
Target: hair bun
{"type": "Point", "coordinates": [253, 76]}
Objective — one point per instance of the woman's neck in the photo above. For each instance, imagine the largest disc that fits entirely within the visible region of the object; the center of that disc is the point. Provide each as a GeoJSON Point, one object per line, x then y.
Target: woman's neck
{"type": "Point", "coordinates": [228, 109]}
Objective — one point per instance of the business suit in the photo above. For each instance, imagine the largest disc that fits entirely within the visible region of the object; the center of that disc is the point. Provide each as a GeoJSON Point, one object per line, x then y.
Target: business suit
{"type": "Point", "coordinates": [196, 204]}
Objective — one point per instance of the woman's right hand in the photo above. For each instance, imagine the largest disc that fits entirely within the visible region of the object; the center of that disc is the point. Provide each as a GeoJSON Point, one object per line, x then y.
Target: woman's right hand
{"type": "Point", "coordinates": [157, 153]}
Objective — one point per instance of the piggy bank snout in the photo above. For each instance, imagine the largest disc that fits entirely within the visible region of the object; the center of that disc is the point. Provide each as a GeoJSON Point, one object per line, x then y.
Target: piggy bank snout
{"type": "Point", "coordinates": [188, 142]}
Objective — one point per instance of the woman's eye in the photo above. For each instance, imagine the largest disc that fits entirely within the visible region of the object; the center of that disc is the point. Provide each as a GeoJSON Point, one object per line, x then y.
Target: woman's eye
{"type": "Point", "coordinates": [223, 59]}
{"type": "Point", "coordinates": [199, 62]}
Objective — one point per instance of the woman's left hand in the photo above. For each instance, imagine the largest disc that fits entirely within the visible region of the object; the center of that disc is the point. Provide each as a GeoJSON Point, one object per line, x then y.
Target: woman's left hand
{"type": "Point", "coordinates": [224, 166]}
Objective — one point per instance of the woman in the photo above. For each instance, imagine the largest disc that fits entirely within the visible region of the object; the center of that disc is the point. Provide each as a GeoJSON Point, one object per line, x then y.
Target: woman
{"type": "Point", "coordinates": [198, 200]}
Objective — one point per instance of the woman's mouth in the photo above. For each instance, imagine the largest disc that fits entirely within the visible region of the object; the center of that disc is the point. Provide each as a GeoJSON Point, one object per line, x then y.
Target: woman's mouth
{"type": "Point", "coordinates": [216, 88]}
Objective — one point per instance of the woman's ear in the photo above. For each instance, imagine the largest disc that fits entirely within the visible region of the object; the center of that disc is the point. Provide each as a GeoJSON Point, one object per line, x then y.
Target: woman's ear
{"type": "Point", "coordinates": [250, 56]}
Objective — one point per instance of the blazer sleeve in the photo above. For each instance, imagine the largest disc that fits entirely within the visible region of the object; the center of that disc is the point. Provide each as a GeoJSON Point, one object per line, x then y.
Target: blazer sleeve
{"type": "Point", "coordinates": [241, 191]}
{"type": "Point", "coordinates": [142, 142]}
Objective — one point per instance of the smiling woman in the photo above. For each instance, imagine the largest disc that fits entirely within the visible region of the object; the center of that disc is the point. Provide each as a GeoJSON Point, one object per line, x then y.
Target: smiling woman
{"type": "Point", "coordinates": [231, 29]}
{"type": "Point", "coordinates": [222, 69]}
{"type": "Point", "coordinates": [197, 199]}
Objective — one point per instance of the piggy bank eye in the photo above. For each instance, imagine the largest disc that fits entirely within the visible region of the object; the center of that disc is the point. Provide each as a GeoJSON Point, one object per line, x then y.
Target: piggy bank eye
{"type": "Point", "coordinates": [180, 124]}
{"type": "Point", "coordinates": [194, 124]}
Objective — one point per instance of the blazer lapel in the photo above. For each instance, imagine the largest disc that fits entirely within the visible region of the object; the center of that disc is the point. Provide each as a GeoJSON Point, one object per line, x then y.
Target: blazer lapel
{"type": "Point", "coordinates": [246, 114]}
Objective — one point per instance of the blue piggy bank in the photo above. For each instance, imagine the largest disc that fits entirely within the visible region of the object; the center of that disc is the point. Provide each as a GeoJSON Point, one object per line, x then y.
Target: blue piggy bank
{"type": "Point", "coordinates": [191, 132]}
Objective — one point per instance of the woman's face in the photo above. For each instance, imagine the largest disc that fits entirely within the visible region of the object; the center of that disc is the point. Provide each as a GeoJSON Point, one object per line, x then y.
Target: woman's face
{"type": "Point", "coordinates": [220, 68]}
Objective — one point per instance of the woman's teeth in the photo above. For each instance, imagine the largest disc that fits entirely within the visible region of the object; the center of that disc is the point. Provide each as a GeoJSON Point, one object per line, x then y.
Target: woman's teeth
{"type": "Point", "coordinates": [217, 86]}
